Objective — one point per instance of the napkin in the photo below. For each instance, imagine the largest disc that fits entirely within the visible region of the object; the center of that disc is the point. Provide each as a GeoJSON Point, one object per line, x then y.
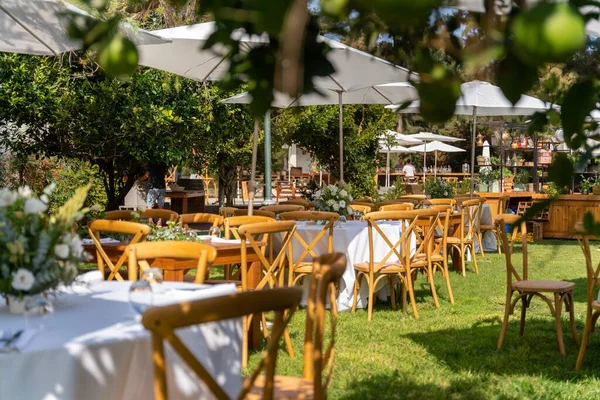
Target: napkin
{"type": "Point", "coordinates": [221, 240]}
{"type": "Point", "coordinates": [102, 240]}
{"type": "Point", "coordinates": [19, 344]}
{"type": "Point", "coordinates": [174, 296]}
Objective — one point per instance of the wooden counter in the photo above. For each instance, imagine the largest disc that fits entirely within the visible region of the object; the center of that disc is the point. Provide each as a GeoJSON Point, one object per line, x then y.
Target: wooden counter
{"type": "Point", "coordinates": [565, 211]}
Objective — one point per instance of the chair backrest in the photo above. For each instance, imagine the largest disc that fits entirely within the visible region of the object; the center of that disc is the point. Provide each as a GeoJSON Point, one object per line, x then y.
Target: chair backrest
{"type": "Point", "coordinates": [137, 231]}
{"type": "Point", "coordinates": [254, 236]}
{"type": "Point", "coordinates": [329, 217]}
{"type": "Point", "coordinates": [424, 230]}
{"type": "Point", "coordinates": [163, 323]}
{"type": "Point", "coordinates": [396, 207]}
{"type": "Point", "coordinates": [203, 254]}
{"type": "Point", "coordinates": [593, 283]}
{"type": "Point", "coordinates": [500, 221]}
{"type": "Point", "coordinates": [200, 218]}
{"type": "Point", "coordinates": [502, 204]}
{"type": "Point", "coordinates": [363, 207]}
{"type": "Point", "coordinates": [416, 199]}
{"type": "Point", "coordinates": [232, 224]}
{"type": "Point", "coordinates": [443, 227]}
{"type": "Point", "coordinates": [439, 202]}
{"type": "Point", "coordinates": [399, 248]}
{"type": "Point", "coordinates": [282, 208]}
{"type": "Point", "coordinates": [298, 202]}
{"type": "Point", "coordinates": [227, 212]}
{"type": "Point", "coordinates": [155, 213]}
{"type": "Point", "coordinates": [470, 213]}
{"type": "Point", "coordinates": [318, 363]}
{"type": "Point", "coordinates": [258, 213]}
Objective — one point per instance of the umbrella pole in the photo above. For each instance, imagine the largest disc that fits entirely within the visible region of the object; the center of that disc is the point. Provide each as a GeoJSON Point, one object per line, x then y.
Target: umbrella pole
{"type": "Point", "coordinates": [267, 144]}
{"type": "Point", "coordinates": [251, 190]}
{"type": "Point", "coordinates": [473, 134]}
{"type": "Point", "coordinates": [424, 162]}
{"type": "Point", "coordinates": [435, 166]}
{"type": "Point", "coordinates": [341, 114]}
{"type": "Point", "coordinates": [387, 171]}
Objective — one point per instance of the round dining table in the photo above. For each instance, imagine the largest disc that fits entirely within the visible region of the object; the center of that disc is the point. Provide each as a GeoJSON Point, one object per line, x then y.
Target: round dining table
{"type": "Point", "coordinates": [93, 346]}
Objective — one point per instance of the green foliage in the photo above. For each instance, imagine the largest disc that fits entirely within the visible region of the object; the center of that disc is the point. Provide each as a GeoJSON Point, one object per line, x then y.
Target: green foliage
{"type": "Point", "coordinates": [436, 188]}
{"type": "Point", "coordinates": [397, 190]}
{"type": "Point", "coordinates": [172, 231]}
{"type": "Point", "coordinates": [522, 177]}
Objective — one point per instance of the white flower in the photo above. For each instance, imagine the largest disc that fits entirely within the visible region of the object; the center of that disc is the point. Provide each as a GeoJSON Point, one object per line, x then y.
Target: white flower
{"type": "Point", "coordinates": [334, 189]}
{"type": "Point", "coordinates": [141, 209]}
{"type": "Point", "coordinates": [25, 192]}
{"type": "Point", "coordinates": [7, 197]}
{"type": "Point", "coordinates": [34, 206]}
{"type": "Point", "coordinates": [95, 207]}
{"type": "Point", "coordinates": [44, 198]}
{"type": "Point", "coordinates": [74, 243]}
{"type": "Point", "coordinates": [71, 268]}
{"type": "Point", "coordinates": [350, 198]}
{"type": "Point", "coordinates": [49, 189]}
{"type": "Point", "coordinates": [23, 280]}
{"type": "Point", "coordinates": [342, 203]}
{"type": "Point", "coordinates": [336, 207]}
{"type": "Point", "coordinates": [330, 202]}
{"type": "Point", "coordinates": [62, 251]}
{"type": "Point", "coordinates": [343, 193]}
{"type": "Point", "coordinates": [349, 210]}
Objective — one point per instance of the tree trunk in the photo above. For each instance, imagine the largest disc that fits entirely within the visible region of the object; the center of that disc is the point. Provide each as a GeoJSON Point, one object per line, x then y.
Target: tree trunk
{"type": "Point", "coordinates": [400, 125]}
{"type": "Point", "coordinates": [227, 185]}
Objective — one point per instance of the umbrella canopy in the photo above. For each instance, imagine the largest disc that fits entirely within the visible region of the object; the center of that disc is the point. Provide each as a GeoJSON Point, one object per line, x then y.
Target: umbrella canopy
{"type": "Point", "coordinates": [398, 138]}
{"type": "Point", "coordinates": [430, 137]}
{"type": "Point", "coordinates": [38, 27]}
{"type": "Point", "coordinates": [397, 149]}
{"type": "Point", "coordinates": [435, 146]}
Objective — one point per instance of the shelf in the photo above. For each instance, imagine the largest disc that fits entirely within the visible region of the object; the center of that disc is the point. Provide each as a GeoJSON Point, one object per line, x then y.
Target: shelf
{"type": "Point", "coordinates": [515, 166]}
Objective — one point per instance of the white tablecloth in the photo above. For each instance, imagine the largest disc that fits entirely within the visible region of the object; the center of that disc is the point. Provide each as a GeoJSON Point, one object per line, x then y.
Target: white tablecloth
{"type": "Point", "coordinates": [352, 239]}
{"type": "Point", "coordinates": [92, 347]}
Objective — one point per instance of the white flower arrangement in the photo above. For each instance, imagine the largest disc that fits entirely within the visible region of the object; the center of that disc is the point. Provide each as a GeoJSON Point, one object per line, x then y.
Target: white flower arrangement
{"type": "Point", "coordinates": [38, 251]}
{"type": "Point", "coordinates": [334, 198]}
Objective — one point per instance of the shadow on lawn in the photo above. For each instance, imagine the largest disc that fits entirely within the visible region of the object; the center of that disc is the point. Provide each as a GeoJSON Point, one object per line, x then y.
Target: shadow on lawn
{"type": "Point", "coordinates": [536, 353]}
{"type": "Point", "coordinates": [401, 386]}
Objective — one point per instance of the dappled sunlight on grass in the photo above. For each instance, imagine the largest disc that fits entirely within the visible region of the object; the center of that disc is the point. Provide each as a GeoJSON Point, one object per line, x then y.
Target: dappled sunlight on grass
{"type": "Point", "coordinates": [450, 352]}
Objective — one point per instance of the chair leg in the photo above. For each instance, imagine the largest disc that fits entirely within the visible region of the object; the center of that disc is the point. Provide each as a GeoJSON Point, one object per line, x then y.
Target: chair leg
{"type": "Point", "coordinates": [333, 301]}
{"type": "Point", "coordinates": [403, 294]}
{"type": "Point", "coordinates": [462, 257]}
{"type": "Point", "coordinates": [411, 294]}
{"type": "Point", "coordinates": [370, 301]}
{"type": "Point", "coordinates": [392, 292]}
{"type": "Point", "coordinates": [524, 305]}
{"type": "Point", "coordinates": [288, 342]}
{"type": "Point", "coordinates": [474, 258]}
{"type": "Point", "coordinates": [429, 272]}
{"type": "Point", "coordinates": [559, 335]}
{"type": "Point", "coordinates": [245, 322]}
{"type": "Point", "coordinates": [480, 240]}
{"type": "Point", "coordinates": [447, 277]}
{"type": "Point", "coordinates": [587, 331]}
{"type": "Point", "coordinates": [505, 320]}
{"type": "Point", "coordinates": [355, 291]}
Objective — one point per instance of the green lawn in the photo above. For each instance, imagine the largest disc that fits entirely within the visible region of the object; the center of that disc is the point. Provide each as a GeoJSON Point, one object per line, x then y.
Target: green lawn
{"type": "Point", "coordinates": [450, 352]}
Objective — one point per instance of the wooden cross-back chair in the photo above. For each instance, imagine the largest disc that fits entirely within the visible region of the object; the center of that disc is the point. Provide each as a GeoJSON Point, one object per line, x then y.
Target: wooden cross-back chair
{"type": "Point", "coordinates": [318, 358]}
{"type": "Point", "coordinates": [163, 322]}
{"type": "Point", "coordinates": [416, 199]}
{"type": "Point", "coordinates": [279, 208]}
{"type": "Point", "coordinates": [463, 237]}
{"type": "Point", "coordinates": [385, 267]}
{"type": "Point", "coordinates": [200, 256]}
{"type": "Point", "coordinates": [554, 293]}
{"type": "Point", "coordinates": [395, 207]}
{"type": "Point", "coordinates": [439, 202]}
{"type": "Point", "coordinates": [253, 236]}
{"type": "Point", "coordinates": [425, 228]}
{"type": "Point", "coordinates": [185, 220]}
{"type": "Point", "coordinates": [258, 213]}
{"type": "Point", "coordinates": [302, 266]}
{"type": "Point", "coordinates": [138, 233]}
{"type": "Point", "coordinates": [298, 202]}
{"type": "Point", "coordinates": [362, 207]}
{"type": "Point", "coordinates": [592, 311]}
{"type": "Point", "coordinates": [227, 212]}
{"type": "Point", "coordinates": [154, 213]}
{"type": "Point", "coordinates": [500, 209]}
{"type": "Point", "coordinates": [439, 254]}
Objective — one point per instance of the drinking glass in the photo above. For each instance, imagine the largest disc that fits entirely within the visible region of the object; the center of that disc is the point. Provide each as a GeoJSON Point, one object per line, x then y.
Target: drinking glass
{"type": "Point", "coordinates": [37, 306]}
{"type": "Point", "coordinates": [140, 296]}
{"type": "Point", "coordinates": [214, 231]}
{"type": "Point", "coordinates": [155, 278]}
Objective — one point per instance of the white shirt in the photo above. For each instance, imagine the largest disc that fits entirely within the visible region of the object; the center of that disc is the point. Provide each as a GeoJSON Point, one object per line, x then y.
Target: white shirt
{"type": "Point", "coordinates": [408, 170]}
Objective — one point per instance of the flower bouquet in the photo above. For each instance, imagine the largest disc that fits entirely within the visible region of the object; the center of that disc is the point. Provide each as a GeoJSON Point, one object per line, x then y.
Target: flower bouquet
{"type": "Point", "coordinates": [172, 231]}
{"type": "Point", "coordinates": [38, 251]}
{"type": "Point", "coordinates": [334, 198]}
{"type": "Point", "coordinates": [436, 188]}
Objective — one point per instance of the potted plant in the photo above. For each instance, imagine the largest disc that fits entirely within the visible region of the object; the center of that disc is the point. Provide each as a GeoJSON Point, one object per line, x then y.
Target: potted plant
{"type": "Point", "coordinates": [38, 252]}
{"type": "Point", "coordinates": [518, 161]}
{"type": "Point", "coordinates": [480, 160]}
{"type": "Point", "coordinates": [507, 179]}
{"type": "Point", "coordinates": [436, 188]}
{"type": "Point", "coordinates": [483, 182]}
{"type": "Point", "coordinates": [521, 181]}
{"type": "Point", "coordinates": [495, 181]}
{"type": "Point", "coordinates": [495, 161]}
{"type": "Point", "coordinates": [334, 198]}
{"type": "Point", "coordinates": [587, 185]}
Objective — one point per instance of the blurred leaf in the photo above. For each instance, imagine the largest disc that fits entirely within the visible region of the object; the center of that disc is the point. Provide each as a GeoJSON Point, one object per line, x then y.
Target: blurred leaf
{"type": "Point", "coordinates": [515, 77]}
{"type": "Point", "coordinates": [578, 102]}
{"type": "Point", "coordinates": [561, 170]}
{"type": "Point", "coordinates": [532, 211]}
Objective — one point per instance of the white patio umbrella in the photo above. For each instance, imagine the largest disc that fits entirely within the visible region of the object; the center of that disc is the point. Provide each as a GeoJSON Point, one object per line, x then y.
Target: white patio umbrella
{"type": "Point", "coordinates": [184, 56]}
{"type": "Point", "coordinates": [484, 99]}
{"type": "Point", "coordinates": [435, 146]}
{"type": "Point", "coordinates": [394, 142]}
{"type": "Point", "coordinates": [428, 137]}
{"type": "Point", "coordinates": [38, 27]}
{"type": "Point", "coordinates": [379, 94]}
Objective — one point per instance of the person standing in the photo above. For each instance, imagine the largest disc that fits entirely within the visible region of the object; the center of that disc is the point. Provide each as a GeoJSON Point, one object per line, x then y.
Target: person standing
{"type": "Point", "coordinates": [408, 169]}
{"type": "Point", "coordinates": [157, 189]}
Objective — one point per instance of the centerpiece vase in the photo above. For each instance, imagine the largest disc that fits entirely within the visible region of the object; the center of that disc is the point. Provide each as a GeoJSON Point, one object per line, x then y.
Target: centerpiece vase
{"type": "Point", "coordinates": [16, 305]}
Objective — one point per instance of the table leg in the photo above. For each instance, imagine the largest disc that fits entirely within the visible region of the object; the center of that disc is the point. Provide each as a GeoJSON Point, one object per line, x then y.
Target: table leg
{"type": "Point", "coordinates": [173, 276]}
{"type": "Point", "coordinates": [184, 206]}
{"type": "Point", "coordinates": [456, 260]}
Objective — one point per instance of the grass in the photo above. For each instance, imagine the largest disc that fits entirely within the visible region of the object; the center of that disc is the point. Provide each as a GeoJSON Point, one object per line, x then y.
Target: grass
{"type": "Point", "coordinates": [450, 352]}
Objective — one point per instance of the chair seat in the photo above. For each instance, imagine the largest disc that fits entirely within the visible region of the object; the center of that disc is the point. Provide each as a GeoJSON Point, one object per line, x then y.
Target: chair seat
{"type": "Point", "coordinates": [455, 240]}
{"type": "Point", "coordinates": [596, 305]}
{"type": "Point", "coordinates": [543, 286]}
{"type": "Point", "coordinates": [304, 268]}
{"type": "Point", "coordinates": [387, 268]}
{"type": "Point", "coordinates": [484, 227]}
{"type": "Point", "coordinates": [285, 388]}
